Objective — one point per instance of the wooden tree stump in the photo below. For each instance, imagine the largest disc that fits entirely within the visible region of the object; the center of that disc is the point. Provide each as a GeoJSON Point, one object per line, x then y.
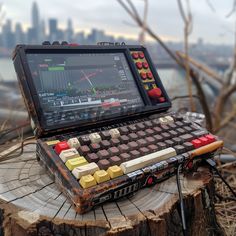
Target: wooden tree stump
{"type": "Point", "coordinates": [31, 204]}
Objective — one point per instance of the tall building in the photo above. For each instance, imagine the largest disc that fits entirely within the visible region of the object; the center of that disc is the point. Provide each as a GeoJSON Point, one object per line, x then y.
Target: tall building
{"type": "Point", "coordinates": [19, 34]}
{"type": "Point", "coordinates": [69, 31]}
{"type": "Point", "coordinates": [8, 38]}
{"type": "Point", "coordinates": [53, 31]}
{"type": "Point", "coordinates": [35, 21]}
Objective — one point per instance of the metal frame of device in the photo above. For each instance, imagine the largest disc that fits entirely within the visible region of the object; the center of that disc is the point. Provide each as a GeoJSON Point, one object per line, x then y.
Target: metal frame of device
{"type": "Point", "coordinates": [32, 101]}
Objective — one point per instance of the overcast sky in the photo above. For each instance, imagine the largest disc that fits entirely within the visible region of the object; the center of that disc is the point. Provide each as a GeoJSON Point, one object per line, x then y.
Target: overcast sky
{"type": "Point", "coordinates": [108, 15]}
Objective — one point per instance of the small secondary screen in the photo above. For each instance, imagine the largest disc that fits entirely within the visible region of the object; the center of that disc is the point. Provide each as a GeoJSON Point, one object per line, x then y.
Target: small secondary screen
{"type": "Point", "coordinates": [83, 87]}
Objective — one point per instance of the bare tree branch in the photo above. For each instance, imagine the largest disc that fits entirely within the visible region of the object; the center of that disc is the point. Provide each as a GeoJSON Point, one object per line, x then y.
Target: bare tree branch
{"type": "Point", "coordinates": [232, 10]}
{"type": "Point", "coordinates": [210, 5]}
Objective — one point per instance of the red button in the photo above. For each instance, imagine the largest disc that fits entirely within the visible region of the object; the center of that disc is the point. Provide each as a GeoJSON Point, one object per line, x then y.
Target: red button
{"type": "Point", "coordinates": [149, 75]}
{"type": "Point", "coordinates": [210, 138]}
{"type": "Point", "coordinates": [154, 93]}
{"type": "Point", "coordinates": [162, 99]}
{"type": "Point", "coordinates": [203, 140]}
{"type": "Point", "coordinates": [139, 65]}
{"type": "Point", "coordinates": [61, 147]}
{"type": "Point", "coordinates": [143, 75]}
{"type": "Point", "coordinates": [145, 65]}
{"type": "Point", "coordinates": [135, 55]}
{"type": "Point", "coordinates": [141, 55]}
{"type": "Point", "coordinates": [150, 180]}
{"type": "Point", "coordinates": [196, 143]}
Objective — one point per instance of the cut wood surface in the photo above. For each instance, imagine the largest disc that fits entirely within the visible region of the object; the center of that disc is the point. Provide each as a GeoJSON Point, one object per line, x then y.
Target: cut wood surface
{"type": "Point", "coordinates": [32, 204]}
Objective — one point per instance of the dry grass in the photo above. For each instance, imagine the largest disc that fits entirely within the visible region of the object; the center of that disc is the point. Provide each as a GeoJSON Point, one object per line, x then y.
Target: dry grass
{"type": "Point", "coordinates": [226, 208]}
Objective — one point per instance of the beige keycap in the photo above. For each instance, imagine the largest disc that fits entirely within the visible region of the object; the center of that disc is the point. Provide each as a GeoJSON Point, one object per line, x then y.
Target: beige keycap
{"type": "Point", "coordinates": [170, 119]}
{"type": "Point", "coordinates": [147, 160]}
{"type": "Point", "coordinates": [73, 143]}
{"type": "Point", "coordinates": [88, 169]}
{"type": "Point", "coordinates": [163, 121]}
{"type": "Point", "coordinates": [95, 138]}
{"type": "Point", "coordinates": [68, 154]}
{"type": "Point", "coordinates": [115, 133]}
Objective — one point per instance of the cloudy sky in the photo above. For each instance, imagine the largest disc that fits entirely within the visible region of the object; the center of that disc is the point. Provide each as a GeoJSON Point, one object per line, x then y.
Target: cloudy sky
{"type": "Point", "coordinates": [164, 18]}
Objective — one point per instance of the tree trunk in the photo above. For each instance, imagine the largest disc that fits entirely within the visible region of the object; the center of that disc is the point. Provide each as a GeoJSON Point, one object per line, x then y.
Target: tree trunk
{"type": "Point", "coordinates": [31, 204]}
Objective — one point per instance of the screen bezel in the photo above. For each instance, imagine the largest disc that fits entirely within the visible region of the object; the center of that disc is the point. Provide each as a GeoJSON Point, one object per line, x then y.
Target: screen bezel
{"type": "Point", "coordinates": [32, 100]}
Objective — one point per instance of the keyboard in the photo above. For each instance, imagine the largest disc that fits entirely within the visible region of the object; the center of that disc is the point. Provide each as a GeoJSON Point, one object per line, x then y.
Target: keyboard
{"type": "Point", "coordinates": [113, 162]}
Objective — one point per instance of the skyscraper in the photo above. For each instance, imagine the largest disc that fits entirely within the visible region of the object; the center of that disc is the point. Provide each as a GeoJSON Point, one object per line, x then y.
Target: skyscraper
{"type": "Point", "coordinates": [53, 31]}
{"type": "Point", "coordinates": [69, 31]}
{"type": "Point", "coordinates": [35, 21]}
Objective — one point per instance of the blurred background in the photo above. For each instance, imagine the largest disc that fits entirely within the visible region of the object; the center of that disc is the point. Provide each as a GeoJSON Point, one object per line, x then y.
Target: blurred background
{"type": "Point", "coordinates": [192, 44]}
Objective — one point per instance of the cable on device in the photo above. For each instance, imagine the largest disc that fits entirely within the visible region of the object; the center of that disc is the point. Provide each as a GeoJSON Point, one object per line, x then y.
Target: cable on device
{"type": "Point", "coordinates": [182, 212]}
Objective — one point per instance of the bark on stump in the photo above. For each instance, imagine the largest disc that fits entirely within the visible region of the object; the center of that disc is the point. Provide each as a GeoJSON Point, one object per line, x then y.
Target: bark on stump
{"type": "Point", "coordinates": [31, 204]}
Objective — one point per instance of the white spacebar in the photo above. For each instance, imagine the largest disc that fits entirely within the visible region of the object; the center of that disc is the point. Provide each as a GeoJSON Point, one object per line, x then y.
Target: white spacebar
{"type": "Point", "coordinates": [146, 160]}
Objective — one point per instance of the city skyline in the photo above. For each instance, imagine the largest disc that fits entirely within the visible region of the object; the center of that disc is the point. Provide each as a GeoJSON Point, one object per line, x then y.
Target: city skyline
{"type": "Point", "coordinates": [110, 17]}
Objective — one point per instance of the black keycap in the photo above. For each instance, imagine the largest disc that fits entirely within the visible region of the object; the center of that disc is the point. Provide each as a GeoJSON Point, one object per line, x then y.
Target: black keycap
{"type": "Point", "coordinates": [115, 160]}
{"type": "Point", "coordinates": [133, 136]}
{"type": "Point", "coordinates": [153, 148]}
{"type": "Point", "coordinates": [179, 123]}
{"type": "Point", "coordinates": [92, 157]}
{"type": "Point", "coordinates": [135, 154]}
{"type": "Point", "coordinates": [169, 143]}
{"type": "Point", "coordinates": [113, 151]}
{"type": "Point", "coordinates": [177, 140]}
{"type": "Point", "coordinates": [157, 130]}
{"type": "Point", "coordinates": [158, 138]}
{"type": "Point", "coordinates": [188, 128]}
{"type": "Point", "coordinates": [124, 139]}
{"type": "Point", "coordinates": [123, 130]}
{"type": "Point", "coordinates": [132, 145]}
{"type": "Point", "coordinates": [95, 147]}
{"type": "Point", "coordinates": [105, 144]}
{"type": "Point", "coordinates": [115, 141]}
{"type": "Point", "coordinates": [144, 151]}
{"type": "Point", "coordinates": [180, 131]}
{"type": "Point", "coordinates": [161, 145]}
{"type": "Point", "coordinates": [83, 150]}
{"type": "Point", "coordinates": [123, 148]}
{"type": "Point", "coordinates": [148, 124]}
{"type": "Point", "coordinates": [103, 154]}
{"type": "Point", "coordinates": [199, 133]}
{"type": "Point", "coordinates": [173, 133]}
{"type": "Point", "coordinates": [142, 142]}
{"type": "Point", "coordinates": [149, 131]}
{"type": "Point", "coordinates": [105, 135]}
{"type": "Point", "coordinates": [132, 128]}
{"type": "Point", "coordinates": [188, 146]}
{"type": "Point", "coordinates": [141, 134]}
{"type": "Point", "coordinates": [172, 125]}
{"type": "Point", "coordinates": [84, 140]}
{"type": "Point", "coordinates": [150, 140]}
{"type": "Point", "coordinates": [140, 126]}
{"type": "Point", "coordinates": [179, 149]}
{"type": "Point", "coordinates": [186, 137]}
{"type": "Point", "coordinates": [104, 164]}
{"type": "Point", "coordinates": [165, 127]}
{"type": "Point", "coordinates": [125, 157]}
{"type": "Point", "coordinates": [166, 135]}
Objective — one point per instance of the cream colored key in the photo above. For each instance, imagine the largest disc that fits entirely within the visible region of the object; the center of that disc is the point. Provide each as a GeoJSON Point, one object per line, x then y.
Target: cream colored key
{"type": "Point", "coordinates": [73, 143]}
{"type": "Point", "coordinates": [163, 121]}
{"type": "Point", "coordinates": [95, 138]}
{"type": "Point", "coordinates": [115, 133]}
{"type": "Point", "coordinates": [147, 160]}
{"type": "Point", "coordinates": [68, 154]}
{"type": "Point", "coordinates": [88, 169]}
{"type": "Point", "coordinates": [169, 119]}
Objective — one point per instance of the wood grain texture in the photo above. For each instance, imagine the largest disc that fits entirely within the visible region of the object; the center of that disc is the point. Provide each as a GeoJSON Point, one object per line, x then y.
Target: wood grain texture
{"type": "Point", "coordinates": [32, 204]}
